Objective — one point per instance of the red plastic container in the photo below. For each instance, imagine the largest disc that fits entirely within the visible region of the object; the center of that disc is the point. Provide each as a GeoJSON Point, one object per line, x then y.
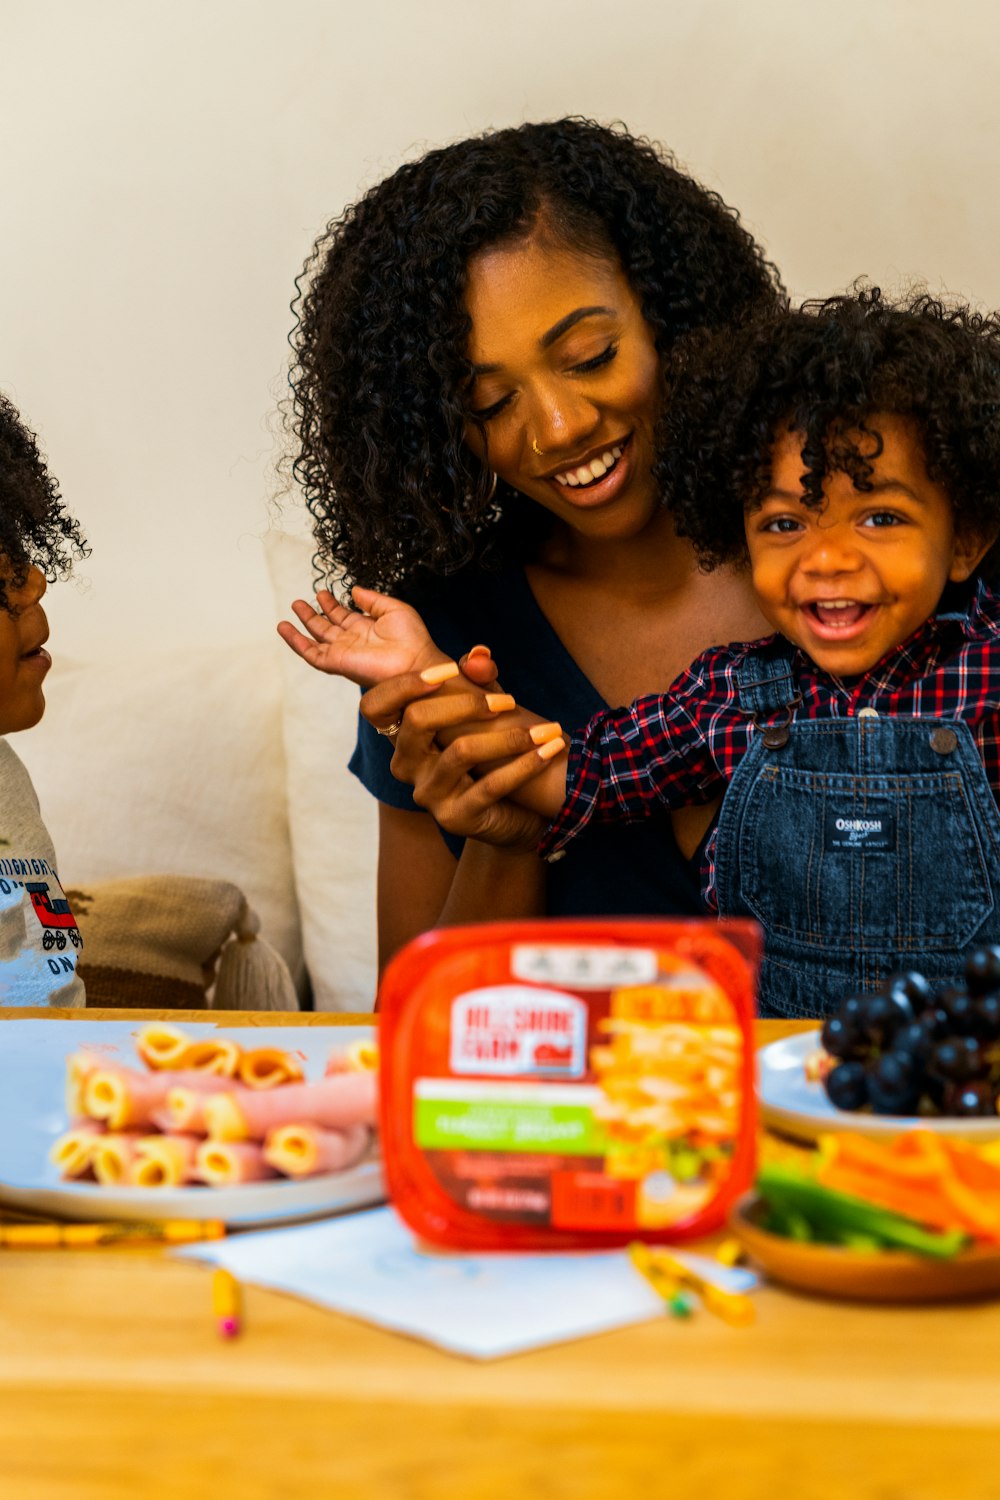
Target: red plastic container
{"type": "Point", "coordinates": [560, 1084]}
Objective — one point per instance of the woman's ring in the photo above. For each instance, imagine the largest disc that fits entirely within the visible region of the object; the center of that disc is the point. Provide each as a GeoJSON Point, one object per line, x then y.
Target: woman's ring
{"type": "Point", "coordinates": [392, 730]}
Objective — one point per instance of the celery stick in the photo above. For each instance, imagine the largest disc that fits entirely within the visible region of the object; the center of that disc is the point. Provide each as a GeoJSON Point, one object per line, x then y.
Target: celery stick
{"type": "Point", "coordinates": [833, 1214]}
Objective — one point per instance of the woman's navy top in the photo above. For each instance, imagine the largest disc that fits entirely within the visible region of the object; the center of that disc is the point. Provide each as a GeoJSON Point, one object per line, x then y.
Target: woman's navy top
{"type": "Point", "coordinates": [611, 870]}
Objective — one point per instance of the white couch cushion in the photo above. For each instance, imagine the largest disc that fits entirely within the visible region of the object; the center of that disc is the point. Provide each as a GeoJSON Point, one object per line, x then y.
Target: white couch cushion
{"type": "Point", "coordinates": [333, 820]}
{"type": "Point", "coordinates": [171, 764]}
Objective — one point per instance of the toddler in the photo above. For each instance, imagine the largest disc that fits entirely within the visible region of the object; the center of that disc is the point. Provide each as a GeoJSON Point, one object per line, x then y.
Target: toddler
{"type": "Point", "coordinates": [39, 939]}
{"type": "Point", "coordinates": [849, 453]}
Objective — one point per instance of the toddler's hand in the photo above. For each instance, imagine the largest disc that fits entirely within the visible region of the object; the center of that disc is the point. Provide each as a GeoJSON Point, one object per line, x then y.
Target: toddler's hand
{"type": "Point", "coordinates": [380, 639]}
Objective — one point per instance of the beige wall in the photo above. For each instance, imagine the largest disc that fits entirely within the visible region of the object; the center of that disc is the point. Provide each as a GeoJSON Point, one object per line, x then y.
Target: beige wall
{"type": "Point", "coordinates": [166, 164]}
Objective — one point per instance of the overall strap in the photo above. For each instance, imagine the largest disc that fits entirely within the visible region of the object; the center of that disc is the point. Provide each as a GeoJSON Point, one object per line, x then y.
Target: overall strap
{"type": "Point", "coordinates": [765, 680]}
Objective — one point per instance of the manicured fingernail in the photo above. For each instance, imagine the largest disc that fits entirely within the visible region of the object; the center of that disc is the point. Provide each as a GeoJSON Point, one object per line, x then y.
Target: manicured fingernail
{"type": "Point", "coordinates": [546, 752]}
{"type": "Point", "coordinates": [440, 674]}
{"type": "Point", "coordinates": [479, 651]}
{"type": "Point", "coordinates": [499, 703]}
{"type": "Point", "coordinates": [542, 733]}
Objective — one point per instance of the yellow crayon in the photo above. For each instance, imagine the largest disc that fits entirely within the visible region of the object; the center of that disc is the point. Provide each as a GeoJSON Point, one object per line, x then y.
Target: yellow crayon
{"type": "Point", "coordinates": [663, 1270]}
{"type": "Point", "coordinates": [51, 1236]}
{"type": "Point", "coordinates": [226, 1303]}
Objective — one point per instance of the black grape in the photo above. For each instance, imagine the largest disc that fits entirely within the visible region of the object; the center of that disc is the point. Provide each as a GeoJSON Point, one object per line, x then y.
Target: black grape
{"type": "Point", "coordinates": [958, 1059]}
{"type": "Point", "coordinates": [841, 1039]}
{"type": "Point", "coordinates": [847, 1086]}
{"type": "Point", "coordinates": [912, 987]}
{"type": "Point", "coordinates": [915, 1040]}
{"type": "Point", "coordinates": [884, 1015]}
{"type": "Point", "coordinates": [965, 1099]}
{"type": "Point", "coordinates": [894, 1084]}
{"type": "Point", "coordinates": [982, 970]}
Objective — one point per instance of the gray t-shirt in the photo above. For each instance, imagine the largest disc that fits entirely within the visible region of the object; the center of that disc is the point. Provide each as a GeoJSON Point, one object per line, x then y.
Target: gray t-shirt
{"type": "Point", "coordinates": [39, 939]}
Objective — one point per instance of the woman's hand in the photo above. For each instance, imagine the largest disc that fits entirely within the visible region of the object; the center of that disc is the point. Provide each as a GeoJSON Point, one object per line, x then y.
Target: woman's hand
{"type": "Point", "coordinates": [441, 777]}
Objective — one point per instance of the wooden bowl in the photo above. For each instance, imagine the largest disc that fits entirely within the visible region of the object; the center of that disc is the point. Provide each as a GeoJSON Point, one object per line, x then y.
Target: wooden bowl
{"type": "Point", "coordinates": [864, 1276]}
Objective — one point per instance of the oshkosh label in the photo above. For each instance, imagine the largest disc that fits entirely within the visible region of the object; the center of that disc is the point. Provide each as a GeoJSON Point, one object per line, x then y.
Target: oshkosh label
{"type": "Point", "coordinates": [866, 835]}
{"type": "Point", "coordinates": [511, 1028]}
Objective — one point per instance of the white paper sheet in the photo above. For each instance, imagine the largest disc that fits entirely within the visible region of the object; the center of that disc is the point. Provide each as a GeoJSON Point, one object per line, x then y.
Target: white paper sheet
{"type": "Point", "coordinates": [369, 1266]}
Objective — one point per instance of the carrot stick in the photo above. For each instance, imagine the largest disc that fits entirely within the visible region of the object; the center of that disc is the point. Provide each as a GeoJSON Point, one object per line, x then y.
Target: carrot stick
{"type": "Point", "coordinates": [946, 1205]}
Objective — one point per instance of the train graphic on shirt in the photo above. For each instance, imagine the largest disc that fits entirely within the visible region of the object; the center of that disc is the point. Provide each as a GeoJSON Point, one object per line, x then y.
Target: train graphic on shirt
{"type": "Point", "coordinates": [57, 921]}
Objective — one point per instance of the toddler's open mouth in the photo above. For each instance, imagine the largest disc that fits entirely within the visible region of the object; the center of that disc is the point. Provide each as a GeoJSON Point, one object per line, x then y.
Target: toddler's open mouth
{"type": "Point", "coordinates": [839, 614]}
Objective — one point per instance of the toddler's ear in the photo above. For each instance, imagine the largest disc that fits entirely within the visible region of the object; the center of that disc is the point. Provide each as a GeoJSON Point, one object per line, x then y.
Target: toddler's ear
{"type": "Point", "coordinates": [969, 549]}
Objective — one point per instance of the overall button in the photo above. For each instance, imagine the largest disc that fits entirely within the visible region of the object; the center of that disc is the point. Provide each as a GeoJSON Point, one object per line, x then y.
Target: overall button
{"type": "Point", "coordinates": [867, 713]}
{"type": "Point", "coordinates": [775, 736]}
{"type": "Point", "coordinates": [944, 741]}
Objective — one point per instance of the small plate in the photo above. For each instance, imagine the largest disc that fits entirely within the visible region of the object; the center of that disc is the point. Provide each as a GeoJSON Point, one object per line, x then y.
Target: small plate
{"type": "Point", "coordinates": [865, 1276]}
{"type": "Point", "coordinates": [32, 1115]}
{"type": "Point", "coordinates": [798, 1106]}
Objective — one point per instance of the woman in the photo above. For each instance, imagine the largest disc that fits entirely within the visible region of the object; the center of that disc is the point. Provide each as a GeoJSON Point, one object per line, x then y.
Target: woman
{"type": "Point", "coordinates": [479, 367]}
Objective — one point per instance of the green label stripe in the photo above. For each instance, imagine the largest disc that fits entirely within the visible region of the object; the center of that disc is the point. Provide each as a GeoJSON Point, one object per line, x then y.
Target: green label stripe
{"type": "Point", "coordinates": [514, 1125]}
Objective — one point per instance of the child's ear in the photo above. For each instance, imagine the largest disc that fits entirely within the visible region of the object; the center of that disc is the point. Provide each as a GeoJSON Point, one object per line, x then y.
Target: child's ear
{"type": "Point", "coordinates": [968, 551]}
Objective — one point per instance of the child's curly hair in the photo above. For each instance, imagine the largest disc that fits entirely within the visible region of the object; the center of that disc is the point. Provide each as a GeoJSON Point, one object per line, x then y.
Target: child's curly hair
{"type": "Point", "coordinates": [824, 370]}
{"type": "Point", "coordinates": [35, 527]}
{"type": "Point", "coordinates": [381, 368]}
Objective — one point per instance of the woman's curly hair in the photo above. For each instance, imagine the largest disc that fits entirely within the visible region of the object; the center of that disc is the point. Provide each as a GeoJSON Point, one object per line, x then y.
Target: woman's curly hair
{"type": "Point", "coordinates": [35, 527]}
{"type": "Point", "coordinates": [380, 365]}
{"type": "Point", "coordinates": [825, 370]}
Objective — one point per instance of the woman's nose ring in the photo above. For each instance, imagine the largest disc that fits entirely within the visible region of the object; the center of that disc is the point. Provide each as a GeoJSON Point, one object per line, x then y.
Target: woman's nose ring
{"type": "Point", "coordinates": [535, 448]}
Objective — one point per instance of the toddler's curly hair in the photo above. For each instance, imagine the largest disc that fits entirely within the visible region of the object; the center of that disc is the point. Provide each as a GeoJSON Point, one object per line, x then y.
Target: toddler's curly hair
{"type": "Point", "coordinates": [380, 365]}
{"type": "Point", "coordinates": [35, 527]}
{"type": "Point", "coordinates": [825, 370]}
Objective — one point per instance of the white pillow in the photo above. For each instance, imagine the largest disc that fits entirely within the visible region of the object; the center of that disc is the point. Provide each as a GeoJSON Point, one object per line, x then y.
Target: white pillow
{"type": "Point", "coordinates": [333, 820]}
{"type": "Point", "coordinates": [171, 765]}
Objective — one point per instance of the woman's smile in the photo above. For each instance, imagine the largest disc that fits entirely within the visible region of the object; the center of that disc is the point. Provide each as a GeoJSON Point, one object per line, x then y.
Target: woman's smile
{"type": "Point", "coordinates": [597, 479]}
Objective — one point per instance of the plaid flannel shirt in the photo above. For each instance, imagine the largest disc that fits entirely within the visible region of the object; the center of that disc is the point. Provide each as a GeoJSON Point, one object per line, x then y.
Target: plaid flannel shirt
{"type": "Point", "coordinates": [682, 747]}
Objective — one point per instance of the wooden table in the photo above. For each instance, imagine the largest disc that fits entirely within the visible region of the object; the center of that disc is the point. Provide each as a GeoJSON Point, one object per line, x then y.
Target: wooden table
{"type": "Point", "coordinates": [113, 1384]}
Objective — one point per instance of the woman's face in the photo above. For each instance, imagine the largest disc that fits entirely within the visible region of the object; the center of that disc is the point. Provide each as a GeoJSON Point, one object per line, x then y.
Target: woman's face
{"type": "Point", "coordinates": [567, 383]}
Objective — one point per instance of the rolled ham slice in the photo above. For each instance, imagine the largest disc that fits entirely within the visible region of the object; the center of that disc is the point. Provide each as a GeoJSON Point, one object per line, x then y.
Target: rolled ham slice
{"type": "Point", "coordinates": [268, 1068]}
{"type": "Point", "coordinates": [114, 1154]}
{"type": "Point", "coordinates": [182, 1112]}
{"type": "Point", "coordinates": [360, 1057]}
{"type": "Point", "coordinates": [305, 1150]}
{"type": "Point", "coordinates": [79, 1067]}
{"type": "Point", "coordinates": [73, 1152]}
{"type": "Point", "coordinates": [164, 1161]}
{"type": "Point", "coordinates": [335, 1103]}
{"type": "Point", "coordinates": [217, 1055]}
{"type": "Point", "coordinates": [162, 1046]}
{"type": "Point", "coordinates": [124, 1098]}
{"type": "Point", "coordinates": [227, 1163]}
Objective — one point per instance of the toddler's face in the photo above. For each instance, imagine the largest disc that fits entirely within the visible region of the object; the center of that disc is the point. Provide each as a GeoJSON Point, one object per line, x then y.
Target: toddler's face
{"type": "Point", "coordinates": [23, 659]}
{"type": "Point", "coordinates": [852, 579]}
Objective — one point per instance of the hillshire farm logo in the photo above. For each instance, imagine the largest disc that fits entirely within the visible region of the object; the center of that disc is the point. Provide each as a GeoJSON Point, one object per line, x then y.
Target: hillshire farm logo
{"type": "Point", "coordinates": [512, 1028]}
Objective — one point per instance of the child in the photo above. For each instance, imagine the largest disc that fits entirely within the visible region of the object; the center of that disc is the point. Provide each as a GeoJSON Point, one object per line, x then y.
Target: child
{"type": "Point", "coordinates": [850, 451]}
{"type": "Point", "coordinates": [39, 940]}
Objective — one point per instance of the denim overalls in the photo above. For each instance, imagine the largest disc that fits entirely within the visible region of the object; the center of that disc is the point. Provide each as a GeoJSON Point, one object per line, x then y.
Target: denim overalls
{"type": "Point", "coordinates": [861, 845]}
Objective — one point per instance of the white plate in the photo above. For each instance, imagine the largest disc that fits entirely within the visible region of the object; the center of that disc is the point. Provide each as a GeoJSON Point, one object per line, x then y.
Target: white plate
{"type": "Point", "coordinates": [791, 1103]}
{"type": "Point", "coordinates": [32, 1114]}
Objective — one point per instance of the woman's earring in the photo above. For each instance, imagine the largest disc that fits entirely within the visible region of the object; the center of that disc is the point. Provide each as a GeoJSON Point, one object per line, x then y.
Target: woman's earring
{"type": "Point", "coordinates": [493, 486]}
